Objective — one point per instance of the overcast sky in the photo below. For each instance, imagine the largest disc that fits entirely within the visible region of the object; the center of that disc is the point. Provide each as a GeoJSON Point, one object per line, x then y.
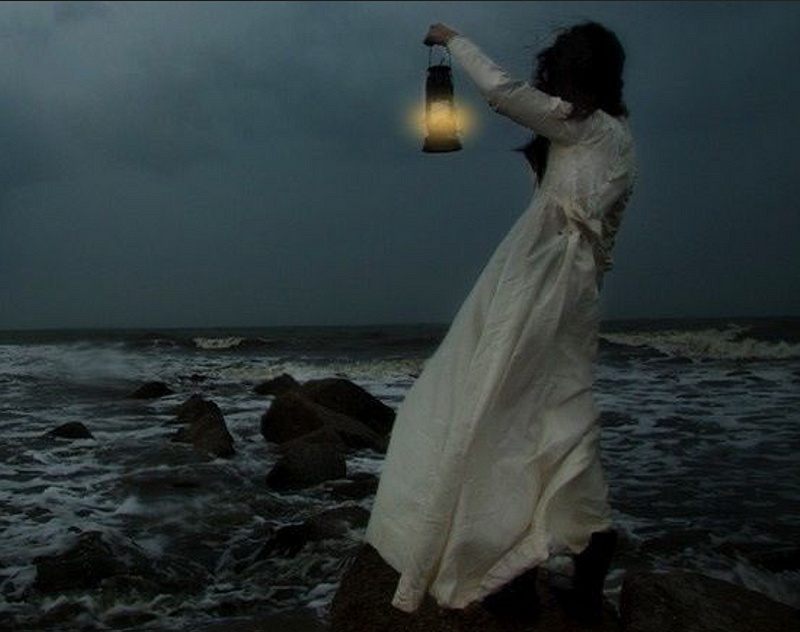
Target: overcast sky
{"type": "Point", "coordinates": [220, 164]}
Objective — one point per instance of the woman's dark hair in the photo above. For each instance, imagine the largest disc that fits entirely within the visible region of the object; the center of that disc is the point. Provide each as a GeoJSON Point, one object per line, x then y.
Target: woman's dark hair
{"type": "Point", "coordinates": [584, 67]}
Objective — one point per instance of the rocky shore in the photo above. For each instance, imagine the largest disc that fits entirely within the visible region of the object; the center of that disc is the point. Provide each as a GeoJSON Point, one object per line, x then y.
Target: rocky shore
{"type": "Point", "coordinates": [677, 601]}
{"type": "Point", "coordinates": [313, 428]}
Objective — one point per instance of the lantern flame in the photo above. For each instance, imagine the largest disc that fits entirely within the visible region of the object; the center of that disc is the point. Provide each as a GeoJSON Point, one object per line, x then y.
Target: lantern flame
{"type": "Point", "coordinates": [417, 120]}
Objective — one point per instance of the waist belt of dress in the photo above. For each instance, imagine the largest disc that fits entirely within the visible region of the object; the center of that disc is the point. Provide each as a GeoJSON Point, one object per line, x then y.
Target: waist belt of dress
{"type": "Point", "coordinates": [591, 230]}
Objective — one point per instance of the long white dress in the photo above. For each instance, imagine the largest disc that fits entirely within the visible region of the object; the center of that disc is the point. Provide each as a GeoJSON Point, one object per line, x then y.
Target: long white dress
{"type": "Point", "coordinates": [493, 463]}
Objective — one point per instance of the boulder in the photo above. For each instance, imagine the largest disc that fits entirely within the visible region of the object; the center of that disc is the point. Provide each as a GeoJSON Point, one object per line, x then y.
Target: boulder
{"type": "Point", "coordinates": [327, 525]}
{"type": "Point", "coordinates": [72, 430]}
{"type": "Point", "coordinates": [194, 408]}
{"type": "Point", "coordinates": [205, 427]}
{"type": "Point", "coordinates": [207, 434]}
{"type": "Point", "coordinates": [84, 565]}
{"type": "Point", "coordinates": [682, 601]}
{"type": "Point", "coordinates": [306, 463]}
{"type": "Point", "coordinates": [347, 398]}
{"type": "Point", "coordinates": [277, 386]}
{"type": "Point", "coordinates": [356, 487]}
{"type": "Point", "coordinates": [151, 390]}
{"type": "Point", "coordinates": [363, 602]}
{"type": "Point", "coordinates": [292, 415]}
{"type": "Point", "coordinates": [268, 622]}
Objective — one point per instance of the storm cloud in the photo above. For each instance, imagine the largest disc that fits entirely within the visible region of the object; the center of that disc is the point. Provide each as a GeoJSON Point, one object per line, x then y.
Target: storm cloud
{"type": "Point", "coordinates": [217, 164]}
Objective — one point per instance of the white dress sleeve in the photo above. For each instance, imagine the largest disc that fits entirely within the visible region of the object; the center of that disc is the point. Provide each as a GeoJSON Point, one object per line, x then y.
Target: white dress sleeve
{"type": "Point", "coordinates": [518, 100]}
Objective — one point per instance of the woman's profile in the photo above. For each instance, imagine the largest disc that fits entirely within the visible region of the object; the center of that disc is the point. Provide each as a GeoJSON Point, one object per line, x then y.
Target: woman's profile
{"type": "Point", "coordinates": [493, 464]}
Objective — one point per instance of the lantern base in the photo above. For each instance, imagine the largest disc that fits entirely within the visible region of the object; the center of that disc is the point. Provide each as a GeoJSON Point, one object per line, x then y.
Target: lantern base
{"type": "Point", "coordinates": [441, 145]}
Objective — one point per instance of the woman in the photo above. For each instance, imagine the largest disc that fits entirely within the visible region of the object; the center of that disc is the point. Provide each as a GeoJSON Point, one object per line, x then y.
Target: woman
{"type": "Point", "coordinates": [493, 464]}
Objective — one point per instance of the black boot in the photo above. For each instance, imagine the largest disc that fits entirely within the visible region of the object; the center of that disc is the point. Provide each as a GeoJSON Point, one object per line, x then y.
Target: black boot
{"type": "Point", "coordinates": [584, 601]}
{"type": "Point", "coordinates": [517, 599]}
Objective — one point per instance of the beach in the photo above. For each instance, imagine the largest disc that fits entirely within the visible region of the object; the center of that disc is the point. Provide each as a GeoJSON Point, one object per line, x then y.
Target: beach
{"type": "Point", "coordinates": [700, 435]}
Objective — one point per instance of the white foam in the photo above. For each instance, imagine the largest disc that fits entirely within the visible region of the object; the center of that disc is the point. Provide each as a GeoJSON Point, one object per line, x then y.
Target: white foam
{"type": "Point", "coordinates": [228, 342]}
{"type": "Point", "coordinates": [131, 506]}
{"type": "Point", "coordinates": [714, 344]}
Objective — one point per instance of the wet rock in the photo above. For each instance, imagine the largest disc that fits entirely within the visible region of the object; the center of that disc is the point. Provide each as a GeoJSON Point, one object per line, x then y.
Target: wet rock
{"type": "Point", "coordinates": [331, 524]}
{"type": "Point", "coordinates": [357, 487]}
{"type": "Point", "coordinates": [347, 398]}
{"type": "Point", "coordinates": [363, 602]}
{"type": "Point", "coordinates": [285, 622]}
{"type": "Point", "coordinates": [71, 430]}
{"type": "Point", "coordinates": [151, 390]}
{"type": "Point", "coordinates": [334, 523]}
{"type": "Point", "coordinates": [84, 565]}
{"type": "Point", "coordinates": [208, 434]}
{"type": "Point", "coordinates": [355, 434]}
{"type": "Point", "coordinates": [304, 464]}
{"type": "Point", "coordinates": [277, 386]}
{"type": "Point", "coordinates": [194, 408]}
{"type": "Point", "coordinates": [292, 415]}
{"type": "Point", "coordinates": [205, 427]}
{"type": "Point", "coordinates": [681, 601]}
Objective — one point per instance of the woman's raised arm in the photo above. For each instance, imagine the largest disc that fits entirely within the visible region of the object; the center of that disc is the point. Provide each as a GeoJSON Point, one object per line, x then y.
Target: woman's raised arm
{"type": "Point", "coordinates": [518, 100]}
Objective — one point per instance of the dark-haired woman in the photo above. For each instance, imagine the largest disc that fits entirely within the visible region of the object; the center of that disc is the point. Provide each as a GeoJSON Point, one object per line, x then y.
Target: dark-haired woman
{"type": "Point", "coordinates": [493, 464]}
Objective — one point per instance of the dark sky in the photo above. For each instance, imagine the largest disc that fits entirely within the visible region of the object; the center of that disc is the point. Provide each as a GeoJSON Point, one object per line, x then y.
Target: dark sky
{"type": "Point", "coordinates": [219, 164]}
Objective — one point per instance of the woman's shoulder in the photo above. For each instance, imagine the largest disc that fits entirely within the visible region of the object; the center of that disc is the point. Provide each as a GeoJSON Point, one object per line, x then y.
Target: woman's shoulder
{"type": "Point", "coordinates": [603, 128]}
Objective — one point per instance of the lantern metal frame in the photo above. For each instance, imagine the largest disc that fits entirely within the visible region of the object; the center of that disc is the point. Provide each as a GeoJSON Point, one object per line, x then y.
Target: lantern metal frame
{"type": "Point", "coordinates": [439, 89]}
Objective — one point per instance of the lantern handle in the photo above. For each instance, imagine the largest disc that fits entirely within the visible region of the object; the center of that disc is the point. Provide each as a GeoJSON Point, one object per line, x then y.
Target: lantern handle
{"type": "Point", "coordinates": [441, 63]}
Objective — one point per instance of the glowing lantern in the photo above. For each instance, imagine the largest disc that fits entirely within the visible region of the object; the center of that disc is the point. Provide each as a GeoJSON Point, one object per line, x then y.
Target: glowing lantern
{"type": "Point", "coordinates": [441, 120]}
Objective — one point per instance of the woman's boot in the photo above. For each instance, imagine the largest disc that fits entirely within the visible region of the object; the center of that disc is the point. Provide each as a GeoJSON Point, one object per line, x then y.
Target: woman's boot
{"type": "Point", "coordinates": [517, 599]}
{"type": "Point", "coordinates": [584, 601]}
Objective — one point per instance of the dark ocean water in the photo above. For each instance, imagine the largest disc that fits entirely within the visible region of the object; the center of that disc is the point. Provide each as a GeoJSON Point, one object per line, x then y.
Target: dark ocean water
{"type": "Point", "coordinates": [701, 436]}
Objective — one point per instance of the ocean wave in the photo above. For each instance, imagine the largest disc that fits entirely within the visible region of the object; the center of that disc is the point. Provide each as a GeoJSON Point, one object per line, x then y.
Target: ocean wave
{"type": "Point", "coordinates": [731, 343]}
{"type": "Point", "coordinates": [228, 342]}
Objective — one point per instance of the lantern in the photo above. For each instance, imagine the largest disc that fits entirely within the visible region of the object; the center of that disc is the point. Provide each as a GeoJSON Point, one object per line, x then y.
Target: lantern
{"type": "Point", "coordinates": [441, 121]}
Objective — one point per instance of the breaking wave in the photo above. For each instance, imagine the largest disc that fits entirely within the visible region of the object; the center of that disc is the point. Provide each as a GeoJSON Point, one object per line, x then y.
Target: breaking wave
{"type": "Point", "coordinates": [229, 342]}
{"type": "Point", "coordinates": [731, 343]}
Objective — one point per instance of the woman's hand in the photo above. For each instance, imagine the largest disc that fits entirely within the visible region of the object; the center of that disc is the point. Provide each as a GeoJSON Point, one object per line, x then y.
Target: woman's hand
{"type": "Point", "coordinates": [439, 35]}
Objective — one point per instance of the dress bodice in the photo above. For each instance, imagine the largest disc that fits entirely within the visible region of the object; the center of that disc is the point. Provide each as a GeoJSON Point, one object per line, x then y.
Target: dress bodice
{"type": "Point", "coordinates": [591, 165]}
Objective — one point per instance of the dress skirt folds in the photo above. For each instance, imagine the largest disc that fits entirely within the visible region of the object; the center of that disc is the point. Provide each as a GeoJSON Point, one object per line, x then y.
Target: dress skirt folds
{"type": "Point", "coordinates": [493, 463]}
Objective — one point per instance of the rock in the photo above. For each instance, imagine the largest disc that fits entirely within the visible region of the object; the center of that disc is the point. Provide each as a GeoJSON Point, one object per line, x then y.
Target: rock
{"type": "Point", "coordinates": [304, 464]}
{"type": "Point", "coordinates": [84, 565]}
{"type": "Point", "coordinates": [681, 601]}
{"type": "Point", "coordinates": [356, 487]}
{"type": "Point", "coordinates": [356, 434]}
{"type": "Point", "coordinates": [363, 602]}
{"type": "Point", "coordinates": [194, 408]}
{"type": "Point", "coordinates": [205, 427]}
{"type": "Point", "coordinates": [334, 523]}
{"type": "Point", "coordinates": [327, 525]}
{"type": "Point", "coordinates": [284, 622]}
{"type": "Point", "coordinates": [208, 434]}
{"type": "Point", "coordinates": [347, 398]}
{"type": "Point", "coordinates": [151, 390]}
{"type": "Point", "coordinates": [292, 415]}
{"type": "Point", "coordinates": [72, 430]}
{"type": "Point", "coordinates": [277, 386]}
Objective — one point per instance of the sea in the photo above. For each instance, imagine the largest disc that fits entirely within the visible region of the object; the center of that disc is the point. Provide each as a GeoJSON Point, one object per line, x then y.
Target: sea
{"type": "Point", "coordinates": [700, 445]}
